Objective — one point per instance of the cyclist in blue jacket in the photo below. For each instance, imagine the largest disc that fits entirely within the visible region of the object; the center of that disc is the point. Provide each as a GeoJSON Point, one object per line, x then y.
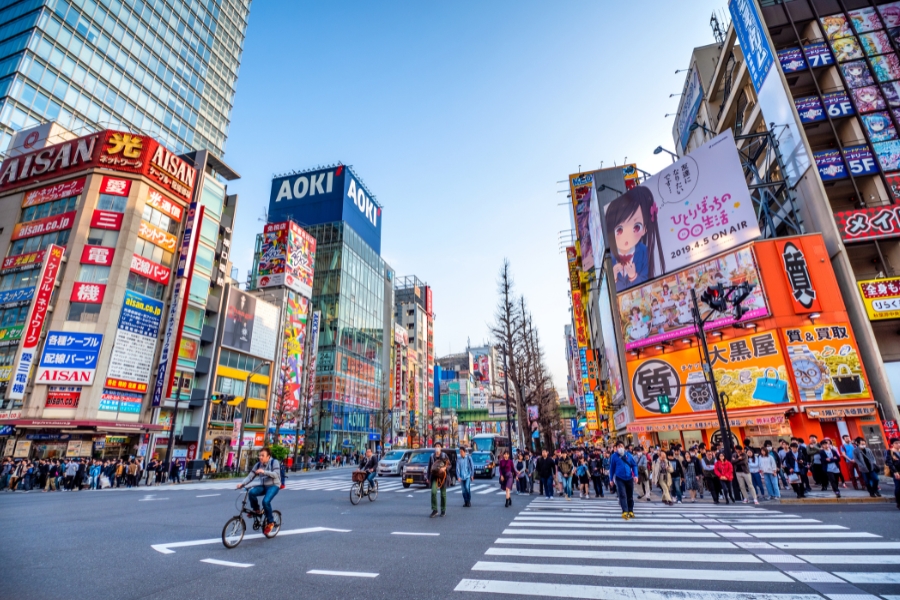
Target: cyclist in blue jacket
{"type": "Point", "coordinates": [623, 472]}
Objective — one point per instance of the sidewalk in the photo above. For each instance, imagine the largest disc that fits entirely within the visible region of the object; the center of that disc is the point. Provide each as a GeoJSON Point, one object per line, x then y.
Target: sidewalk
{"type": "Point", "coordinates": [816, 496]}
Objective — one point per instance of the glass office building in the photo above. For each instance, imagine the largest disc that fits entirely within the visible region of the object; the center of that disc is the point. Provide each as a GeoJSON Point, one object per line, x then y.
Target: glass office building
{"type": "Point", "coordinates": [349, 289]}
{"type": "Point", "coordinates": [167, 68]}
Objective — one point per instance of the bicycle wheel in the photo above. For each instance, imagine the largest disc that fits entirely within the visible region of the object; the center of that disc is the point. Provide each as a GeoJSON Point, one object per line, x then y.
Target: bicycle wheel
{"type": "Point", "coordinates": [276, 519]}
{"type": "Point", "coordinates": [373, 491]}
{"type": "Point", "coordinates": [355, 494]}
{"type": "Point", "coordinates": [233, 532]}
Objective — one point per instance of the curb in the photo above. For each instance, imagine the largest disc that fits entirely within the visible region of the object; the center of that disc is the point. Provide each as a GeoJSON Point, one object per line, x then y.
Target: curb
{"type": "Point", "coordinates": [837, 501]}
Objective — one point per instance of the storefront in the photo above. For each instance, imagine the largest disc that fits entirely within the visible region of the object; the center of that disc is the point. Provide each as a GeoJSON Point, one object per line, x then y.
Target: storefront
{"type": "Point", "coordinates": [42, 439]}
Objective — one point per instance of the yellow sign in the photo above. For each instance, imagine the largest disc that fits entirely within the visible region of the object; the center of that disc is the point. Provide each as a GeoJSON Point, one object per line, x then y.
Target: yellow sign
{"type": "Point", "coordinates": [881, 297]}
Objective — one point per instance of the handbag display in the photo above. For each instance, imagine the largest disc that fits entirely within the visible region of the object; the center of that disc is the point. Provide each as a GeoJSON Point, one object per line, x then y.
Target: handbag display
{"type": "Point", "coordinates": [771, 390]}
{"type": "Point", "coordinates": [845, 382]}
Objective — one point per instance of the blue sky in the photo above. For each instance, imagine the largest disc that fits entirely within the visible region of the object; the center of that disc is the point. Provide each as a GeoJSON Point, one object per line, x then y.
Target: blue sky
{"type": "Point", "coordinates": [461, 117]}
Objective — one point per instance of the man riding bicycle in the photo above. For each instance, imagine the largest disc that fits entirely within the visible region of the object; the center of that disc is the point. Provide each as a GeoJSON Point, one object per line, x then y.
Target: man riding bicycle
{"type": "Point", "coordinates": [269, 473]}
{"type": "Point", "coordinates": [369, 464]}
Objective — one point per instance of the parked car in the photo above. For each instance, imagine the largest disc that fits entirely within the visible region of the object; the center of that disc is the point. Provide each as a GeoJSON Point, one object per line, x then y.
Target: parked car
{"type": "Point", "coordinates": [414, 471]}
{"type": "Point", "coordinates": [393, 462]}
{"type": "Point", "coordinates": [485, 465]}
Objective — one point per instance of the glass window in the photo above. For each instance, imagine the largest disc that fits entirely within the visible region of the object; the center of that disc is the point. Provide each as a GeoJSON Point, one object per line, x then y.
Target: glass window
{"type": "Point", "coordinates": [213, 197]}
{"type": "Point", "coordinates": [86, 313]}
{"type": "Point", "coordinates": [93, 274]}
{"type": "Point", "coordinates": [205, 258]}
{"type": "Point", "coordinates": [209, 232]}
{"type": "Point", "coordinates": [102, 237]}
{"type": "Point", "coordinates": [193, 320]}
{"type": "Point", "coordinates": [113, 203]}
{"type": "Point", "coordinates": [199, 289]}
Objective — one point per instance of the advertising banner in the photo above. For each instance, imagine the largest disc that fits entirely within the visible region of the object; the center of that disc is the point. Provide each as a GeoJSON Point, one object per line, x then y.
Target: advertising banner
{"type": "Point", "coordinates": [300, 261]}
{"type": "Point", "coordinates": [158, 237]}
{"type": "Point", "coordinates": [121, 401]}
{"type": "Point", "coordinates": [36, 316]}
{"type": "Point", "coordinates": [690, 105]}
{"type": "Point", "coordinates": [795, 255]}
{"type": "Point", "coordinates": [295, 324]}
{"type": "Point", "coordinates": [830, 165]}
{"type": "Point", "coordinates": [115, 186]}
{"type": "Point", "coordinates": [818, 54]}
{"type": "Point", "coordinates": [398, 377]}
{"type": "Point", "coordinates": [69, 357]}
{"type": "Point", "coordinates": [54, 192]}
{"type": "Point", "coordinates": [825, 362]}
{"type": "Point", "coordinates": [610, 345]}
{"type": "Point", "coordinates": [792, 60]}
{"type": "Point", "coordinates": [286, 258]}
{"type": "Point", "coordinates": [150, 269]}
{"type": "Point", "coordinates": [97, 255]}
{"type": "Point", "coordinates": [63, 397]}
{"type": "Point", "coordinates": [751, 370]}
{"type": "Point", "coordinates": [661, 311]}
{"type": "Point", "coordinates": [88, 293]}
{"type": "Point", "coordinates": [881, 297]}
{"type": "Point", "coordinates": [167, 344]}
{"type": "Point", "coordinates": [23, 261]}
{"type": "Point", "coordinates": [691, 210]}
{"type": "Point", "coordinates": [869, 223]}
{"type": "Point", "coordinates": [314, 328]}
{"type": "Point", "coordinates": [16, 296]}
{"type": "Point", "coordinates": [250, 325]}
{"type": "Point", "coordinates": [42, 226]}
{"type": "Point", "coordinates": [577, 305]}
{"type": "Point", "coordinates": [481, 367]}
{"type": "Point", "coordinates": [810, 109]}
{"type": "Point", "coordinates": [838, 105]}
{"type": "Point", "coordinates": [164, 205]}
{"type": "Point", "coordinates": [581, 187]}
{"type": "Point", "coordinates": [131, 360]}
{"type": "Point", "coordinates": [106, 219]}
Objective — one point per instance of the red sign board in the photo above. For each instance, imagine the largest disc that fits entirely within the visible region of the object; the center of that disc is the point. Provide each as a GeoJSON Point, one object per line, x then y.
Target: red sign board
{"type": "Point", "coordinates": [23, 260]}
{"type": "Point", "coordinates": [89, 293]}
{"type": "Point", "coordinates": [116, 150]}
{"type": "Point", "coordinates": [45, 225]}
{"type": "Point", "coordinates": [148, 268]}
{"type": "Point", "coordinates": [62, 399]}
{"type": "Point", "coordinates": [42, 296]}
{"type": "Point", "coordinates": [106, 219]}
{"type": "Point", "coordinates": [115, 186]}
{"type": "Point", "coordinates": [97, 255]}
{"type": "Point", "coordinates": [121, 384]}
{"type": "Point", "coordinates": [57, 191]}
{"type": "Point", "coordinates": [869, 223]}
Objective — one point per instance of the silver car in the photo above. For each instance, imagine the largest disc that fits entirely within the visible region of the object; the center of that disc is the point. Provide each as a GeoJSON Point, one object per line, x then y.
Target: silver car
{"type": "Point", "coordinates": [393, 463]}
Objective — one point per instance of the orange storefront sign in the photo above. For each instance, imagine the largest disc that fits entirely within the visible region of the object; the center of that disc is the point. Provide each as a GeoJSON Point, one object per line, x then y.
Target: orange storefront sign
{"type": "Point", "coordinates": [751, 370]}
{"type": "Point", "coordinates": [825, 362]}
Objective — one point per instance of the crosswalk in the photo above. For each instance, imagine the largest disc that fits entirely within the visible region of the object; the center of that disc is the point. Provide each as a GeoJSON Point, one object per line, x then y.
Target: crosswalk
{"type": "Point", "coordinates": [697, 552]}
{"type": "Point", "coordinates": [340, 483]}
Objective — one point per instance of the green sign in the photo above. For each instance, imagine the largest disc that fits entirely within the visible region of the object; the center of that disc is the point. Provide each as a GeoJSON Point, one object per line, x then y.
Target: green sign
{"type": "Point", "coordinates": [664, 406]}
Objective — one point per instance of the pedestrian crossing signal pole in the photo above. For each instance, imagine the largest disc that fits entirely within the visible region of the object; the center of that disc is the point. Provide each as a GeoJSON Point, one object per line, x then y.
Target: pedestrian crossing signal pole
{"type": "Point", "coordinates": [699, 322]}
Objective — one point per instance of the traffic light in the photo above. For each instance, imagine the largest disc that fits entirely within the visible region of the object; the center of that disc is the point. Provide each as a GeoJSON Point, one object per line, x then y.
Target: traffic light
{"type": "Point", "coordinates": [664, 406]}
{"type": "Point", "coordinates": [740, 294]}
{"type": "Point", "coordinates": [217, 398]}
{"type": "Point", "coordinates": [714, 297]}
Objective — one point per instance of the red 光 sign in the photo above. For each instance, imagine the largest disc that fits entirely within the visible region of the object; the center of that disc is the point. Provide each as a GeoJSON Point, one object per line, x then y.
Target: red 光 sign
{"type": "Point", "coordinates": [106, 219]}
{"type": "Point", "coordinates": [22, 260]}
{"type": "Point", "coordinates": [45, 225]}
{"type": "Point", "coordinates": [42, 297]}
{"type": "Point", "coordinates": [57, 191]}
{"type": "Point", "coordinates": [148, 268]}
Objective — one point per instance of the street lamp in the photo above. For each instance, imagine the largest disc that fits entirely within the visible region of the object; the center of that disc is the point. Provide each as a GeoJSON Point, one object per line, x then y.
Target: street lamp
{"type": "Point", "coordinates": [603, 186]}
{"type": "Point", "coordinates": [661, 149]}
{"type": "Point", "coordinates": [697, 125]}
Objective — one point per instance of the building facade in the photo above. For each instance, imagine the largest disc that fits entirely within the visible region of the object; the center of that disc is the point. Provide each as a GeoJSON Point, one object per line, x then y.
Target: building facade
{"type": "Point", "coordinates": [146, 66]}
{"type": "Point", "coordinates": [414, 315]}
{"type": "Point", "coordinates": [121, 217]}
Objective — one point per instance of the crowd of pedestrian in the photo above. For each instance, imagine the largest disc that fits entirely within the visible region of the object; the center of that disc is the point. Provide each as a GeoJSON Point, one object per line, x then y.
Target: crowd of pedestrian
{"type": "Point", "coordinates": [76, 474]}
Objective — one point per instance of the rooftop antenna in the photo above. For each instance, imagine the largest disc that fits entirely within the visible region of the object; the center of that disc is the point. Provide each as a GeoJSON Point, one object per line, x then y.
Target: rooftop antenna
{"type": "Point", "coordinates": [718, 34]}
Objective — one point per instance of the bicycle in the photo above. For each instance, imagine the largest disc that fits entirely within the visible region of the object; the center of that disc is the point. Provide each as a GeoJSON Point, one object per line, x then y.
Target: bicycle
{"type": "Point", "coordinates": [234, 529]}
{"type": "Point", "coordinates": [360, 489]}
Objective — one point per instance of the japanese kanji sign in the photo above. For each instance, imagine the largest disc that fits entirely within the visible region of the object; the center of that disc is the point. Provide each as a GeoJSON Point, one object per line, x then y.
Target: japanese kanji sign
{"type": "Point", "coordinates": [157, 237]}
{"type": "Point", "coordinates": [150, 269]}
{"type": "Point", "coordinates": [23, 261]}
{"type": "Point", "coordinates": [97, 255]}
{"type": "Point", "coordinates": [825, 361]}
{"type": "Point", "coordinates": [581, 334]}
{"type": "Point", "coordinates": [881, 297]}
{"type": "Point", "coordinates": [869, 223]}
{"type": "Point", "coordinates": [16, 296]}
{"type": "Point", "coordinates": [131, 361]}
{"type": "Point", "coordinates": [35, 323]}
{"type": "Point", "coordinates": [89, 293]}
{"type": "Point", "coordinates": [794, 261]}
{"type": "Point", "coordinates": [164, 205]}
{"type": "Point", "coordinates": [57, 191]}
{"type": "Point", "coordinates": [106, 219]}
{"type": "Point", "coordinates": [115, 186]}
{"type": "Point", "coordinates": [747, 369]}
{"type": "Point", "coordinates": [689, 211]}
{"type": "Point", "coordinates": [69, 357]}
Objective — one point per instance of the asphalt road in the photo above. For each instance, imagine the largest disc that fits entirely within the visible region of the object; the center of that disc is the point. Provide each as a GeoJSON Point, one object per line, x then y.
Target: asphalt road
{"type": "Point", "coordinates": [113, 544]}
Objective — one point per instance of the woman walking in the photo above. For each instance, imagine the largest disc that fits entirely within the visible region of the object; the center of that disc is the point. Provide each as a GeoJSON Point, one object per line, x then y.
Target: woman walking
{"type": "Point", "coordinates": [507, 475]}
{"type": "Point", "coordinates": [725, 472]}
{"type": "Point", "coordinates": [755, 474]}
{"type": "Point", "coordinates": [662, 476]}
{"type": "Point", "coordinates": [769, 469]}
{"type": "Point", "coordinates": [691, 469]}
{"type": "Point", "coordinates": [584, 479]}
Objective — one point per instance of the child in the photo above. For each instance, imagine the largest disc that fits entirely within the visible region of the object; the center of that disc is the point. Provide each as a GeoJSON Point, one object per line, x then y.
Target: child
{"type": "Point", "coordinates": [638, 327]}
{"type": "Point", "coordinates": [632, 228]}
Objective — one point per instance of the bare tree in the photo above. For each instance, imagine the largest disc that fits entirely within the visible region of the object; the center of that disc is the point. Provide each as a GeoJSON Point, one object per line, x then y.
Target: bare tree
{"type": "Point", "coordinates": [284, 408]}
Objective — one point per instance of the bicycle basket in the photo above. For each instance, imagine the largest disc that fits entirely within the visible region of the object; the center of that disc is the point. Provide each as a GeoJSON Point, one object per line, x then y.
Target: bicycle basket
{"type": "Point", "coordinates": [359, 476]}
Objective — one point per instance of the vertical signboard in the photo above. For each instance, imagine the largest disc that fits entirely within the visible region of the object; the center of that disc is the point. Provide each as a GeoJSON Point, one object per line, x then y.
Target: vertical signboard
{"type": "Point", "coordinates": [36, 316]}
{"type": "Point", "coordinates": [311, 361]}
{"type": "Point", "coordinates": [132, 355]}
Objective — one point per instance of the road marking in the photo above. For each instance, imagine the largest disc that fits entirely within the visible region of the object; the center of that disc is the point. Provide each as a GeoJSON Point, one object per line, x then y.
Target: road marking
{"type": "Point", "coordinates": [851, 559]}
{"type": "Point", "coordinates": [225, 563]}
{"type": "Point", "coordinates": [844, 545]}
{"type": "Point", "coordinates": [150, 499]}
{"type": "Point", "coordinates": [597, 592]}
{"type": "Point", "coordinates": [870, 577]}
{"type": "Point", "coordinates": [618, 525]}
{"type": "Point", "coordinates": [814, 577]}
{"type": "Point", "coordinates": [682, 534]}
{"type": "Point", "coordinates": [648, 556]}
{"type": "Point", "coordinates": [649, 572]}
{"type": "Point", "coordinates": [814, 534]}
{"type": "Point", "coordinates": [489, 489]}
{"type": "Point", "coordinates": [166, 548]}
{"type": "Point", "coordinates": [342, 573]}
{"type": "Point", "coordinates": [412, 533]}
{"type": "Point", "coordinates": [791, 526]}
{"type": "Point", "coordinates": [208, 495]}
{"type": "Point", "coordinates": [605, 543]}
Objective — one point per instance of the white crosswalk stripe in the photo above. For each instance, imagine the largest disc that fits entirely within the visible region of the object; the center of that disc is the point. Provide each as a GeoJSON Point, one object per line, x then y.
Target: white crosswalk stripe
{"type": "Point", "coordinates": [561, 549]}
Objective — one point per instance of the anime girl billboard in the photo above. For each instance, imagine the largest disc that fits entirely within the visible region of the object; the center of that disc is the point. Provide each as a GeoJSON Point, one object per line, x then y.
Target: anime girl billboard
{"type": "Point", "coordinates": [692, 210]}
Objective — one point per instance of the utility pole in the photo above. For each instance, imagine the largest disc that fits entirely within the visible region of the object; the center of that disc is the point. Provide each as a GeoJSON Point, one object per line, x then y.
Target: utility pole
{"type": "Point", "coordinates": [244, 409]}
{"type": "Point", "coordinates": [709, 377]}
{"type": "Point", "coordinates": [171, 443]}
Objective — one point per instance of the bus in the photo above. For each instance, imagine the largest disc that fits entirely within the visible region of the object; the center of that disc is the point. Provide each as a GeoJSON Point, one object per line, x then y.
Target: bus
{"type": "Point", "coordinates": [491, 442]}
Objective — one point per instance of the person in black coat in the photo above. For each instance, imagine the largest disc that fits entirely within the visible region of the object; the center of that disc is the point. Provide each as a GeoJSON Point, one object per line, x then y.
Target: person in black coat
{"type": "Point", "coordinates": [796, 465]}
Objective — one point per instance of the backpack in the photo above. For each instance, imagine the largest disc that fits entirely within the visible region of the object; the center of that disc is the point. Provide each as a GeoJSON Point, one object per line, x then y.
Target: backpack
{"type": "Point", "coordinates": [582, 470]}
{"type": "Point", "coordinates": [439, 466]}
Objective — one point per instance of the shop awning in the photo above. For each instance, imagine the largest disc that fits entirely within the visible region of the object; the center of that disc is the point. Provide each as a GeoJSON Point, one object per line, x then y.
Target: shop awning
{"type": "Point", "coordinates": [85, 425]}
{"type": "Point", "coordinates": [708, 422]}
{"type": "Point", "coordinates": [235, 401]}
{"type": "Point", "coordinates": [839, 411]}
{"type": "Point", "coordinates": [255, 403]}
